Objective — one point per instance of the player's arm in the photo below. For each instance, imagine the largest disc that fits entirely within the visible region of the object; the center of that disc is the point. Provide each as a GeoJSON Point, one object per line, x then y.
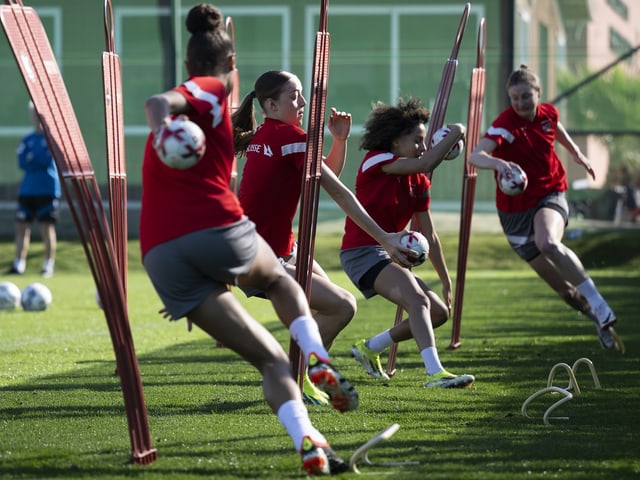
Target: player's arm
{"type": "Point", "coordinates": [481, 156]}
{"type": "Point", "coordinates": [436, 254]}
{"type": "Point", "coordinates": [354, 209]}
{"type": "Point", "coordinates": [564, 139]}
{"type": "Point", "coordinates": [430, 158]}
{"type": "Point", "coordinates": [339, 125]}
{"type": "Point", "coordinates": [158, 108]}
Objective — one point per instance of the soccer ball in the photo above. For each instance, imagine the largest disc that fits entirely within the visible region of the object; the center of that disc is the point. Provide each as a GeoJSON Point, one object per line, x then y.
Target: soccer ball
{"type": "Point", "coordinates": [36, 297]}
{"type": "Point", "coordinates": [437, 138]}
{"type": "Point", "coordinates": [515, 183]}
{"type": "Point", "coordinates": [9, 296]}
{"type": "Point", "coordinates": [180, 144]}
{"type": "Point", "coordinates": [419, 244]}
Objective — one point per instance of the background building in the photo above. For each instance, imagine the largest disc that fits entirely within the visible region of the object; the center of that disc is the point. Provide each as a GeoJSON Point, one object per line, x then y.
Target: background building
{"type": "Point", "coordinates": [380, 50]}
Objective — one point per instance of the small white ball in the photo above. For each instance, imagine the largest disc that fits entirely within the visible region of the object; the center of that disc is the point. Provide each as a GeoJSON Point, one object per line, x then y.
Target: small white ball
{"type": "Point", "coordinates": [439, 135]}
{"type": "Point", "coordinates": [9, 296]}
{"type": "Point", "coordinates": [515, 183]}
{"type": "Point", "coordinates": [181, 144]}
{"type": "Point", "coordinates": [36, 297]}
{"type": "Point", "coordinates": [419, 244]}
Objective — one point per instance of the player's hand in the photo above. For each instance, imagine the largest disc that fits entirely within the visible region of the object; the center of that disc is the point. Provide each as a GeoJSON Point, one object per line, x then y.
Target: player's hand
{"type": "Point", "coordinates": [396, 251]}
{"type": "Point", "coordinates": [339, 124]}
{"type": "Point", "coordinates": [580, 159]}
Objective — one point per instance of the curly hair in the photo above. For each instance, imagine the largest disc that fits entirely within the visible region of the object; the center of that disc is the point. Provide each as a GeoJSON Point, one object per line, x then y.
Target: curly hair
{"type": "Point", "coordinates": [386, 123]}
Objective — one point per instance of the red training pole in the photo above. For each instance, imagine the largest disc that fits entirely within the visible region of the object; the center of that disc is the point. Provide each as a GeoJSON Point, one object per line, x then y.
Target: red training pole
{"type": "Point", "coordinates": [476, 103]}
{"type": "Point", "coordinates": [311, 179]}
{"type": "Point", "coordinates": [435, 122]}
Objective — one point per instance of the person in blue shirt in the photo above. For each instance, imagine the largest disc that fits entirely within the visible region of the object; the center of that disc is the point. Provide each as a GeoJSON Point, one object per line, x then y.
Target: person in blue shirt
{"type": "Point", "coordinates": [38, 198]}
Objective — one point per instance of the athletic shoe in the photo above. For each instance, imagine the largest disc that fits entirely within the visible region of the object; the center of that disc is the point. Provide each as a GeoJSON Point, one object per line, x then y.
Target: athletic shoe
{"type": "Point", "coordinates": [369, 359]}
{"type": "Point", "coordinates": [605, 316]}
{"type": "Point", "coordinates": [608, 337]}
{"type": "Point", "coordinates": [47, 272]}
{"type": "Point", "coordinates": [342, 395]}
{"type": "Point", "coordinates": [312, 395]}
{"type": "Point", "coordinates": [321, 459]}
{"type": "Point", "coordinates": [444, 379]}
{"type": "Point", "coordinates": [14, 271]}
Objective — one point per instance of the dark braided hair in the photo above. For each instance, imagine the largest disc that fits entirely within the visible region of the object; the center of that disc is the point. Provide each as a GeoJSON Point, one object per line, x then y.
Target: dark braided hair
{"type": "Point", "coordinates": [209, 46]}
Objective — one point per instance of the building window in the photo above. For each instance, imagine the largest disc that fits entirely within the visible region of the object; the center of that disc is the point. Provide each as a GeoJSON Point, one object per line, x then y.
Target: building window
{"type": "Point", "coordinates": [618, 43]}
{"type": "Point", "coordinates": [619, 7]}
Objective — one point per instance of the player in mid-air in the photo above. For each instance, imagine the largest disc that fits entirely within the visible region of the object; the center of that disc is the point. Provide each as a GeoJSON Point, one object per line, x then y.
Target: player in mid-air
{"type": "Point", "coordinates": [196, 241]}
{"type": "Point", "coordinates": [392, 185]}
{"type": "Point", "coordinates": [534, 221]}
{"type": "Point", "coordinates": [271, 185]}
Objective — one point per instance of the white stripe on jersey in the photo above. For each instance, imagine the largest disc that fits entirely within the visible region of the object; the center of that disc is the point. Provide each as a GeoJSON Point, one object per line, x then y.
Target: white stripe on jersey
{"type": "Point", "coordinates": [289, 148]}
{"type": "Point", "coordinates": [501, 132]}
{"type": "Point", "coordinates": [216, 110]}
{"type": "Point", "coordinates": [375, 160]}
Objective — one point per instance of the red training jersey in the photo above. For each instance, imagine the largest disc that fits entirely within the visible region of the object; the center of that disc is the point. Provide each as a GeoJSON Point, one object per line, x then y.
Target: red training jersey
{"type": "Point", "coordinates": [272, 182]}
{"type": "Point", "coordinates": [530, 144]}
{"type": "Point", "coordinates": [178, 202]}
{"type": "Point", "coordinates": [391, 200]}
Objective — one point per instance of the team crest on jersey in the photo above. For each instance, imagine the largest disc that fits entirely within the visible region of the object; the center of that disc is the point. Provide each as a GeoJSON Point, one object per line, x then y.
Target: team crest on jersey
{"type": "Point", "coordinates": [545, 125]}
{"type": "Point", "coordinates": [267, 151]}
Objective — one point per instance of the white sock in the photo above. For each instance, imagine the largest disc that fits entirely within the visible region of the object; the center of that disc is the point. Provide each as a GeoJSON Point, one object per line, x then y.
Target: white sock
{"type": "Point", "coordinates": [379, 342]}
{"type": "Point", "coordinates": [295, 419]}
{"type": "Point", "coordinates": [48, 264]}
{"type": "Point", "coordinates": [431, 360]}
{"type": "Point", "coordinates": [20, 265]}
{"type": "Point", "coordinates": [304, 331]}
{"type": "Point", "coordinates": [590, 292]}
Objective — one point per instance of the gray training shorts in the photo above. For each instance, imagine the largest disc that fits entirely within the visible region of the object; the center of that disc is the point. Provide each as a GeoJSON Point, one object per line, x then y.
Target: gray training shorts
{"type": "Point", "coordinates": [357, 262]}
{"type": "Point", "coordinates": [186, 270]}
{"type": "Point", "coordinates": [518, 227]}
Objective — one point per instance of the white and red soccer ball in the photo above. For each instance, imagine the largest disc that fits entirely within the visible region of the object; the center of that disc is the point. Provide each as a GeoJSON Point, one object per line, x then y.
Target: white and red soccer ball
{"type": "Point", "coordinates": [515, 182]}
{"type": "Point", "coordinates": [181, 144]}
{"type": "Point", "coordinates": [419, 244]}
{"type": "Point", "coordinates": [439, 135]}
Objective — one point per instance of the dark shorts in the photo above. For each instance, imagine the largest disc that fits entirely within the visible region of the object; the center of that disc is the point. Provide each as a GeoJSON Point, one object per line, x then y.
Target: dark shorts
{"type": "Point", "coordinates": [43, 208]}
{"type": "Point", "coordinates": [186, 270]}
{"type": "Point", "coordinates": [363, 265]}
{"type": "Point", "coordinates": [518, 227]}
{"type": "Point", "coordinates": [288, 262]}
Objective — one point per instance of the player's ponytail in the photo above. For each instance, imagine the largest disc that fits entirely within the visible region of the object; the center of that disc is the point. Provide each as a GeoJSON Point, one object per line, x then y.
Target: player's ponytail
{"type": "Point", "coordinates": [244, 123]}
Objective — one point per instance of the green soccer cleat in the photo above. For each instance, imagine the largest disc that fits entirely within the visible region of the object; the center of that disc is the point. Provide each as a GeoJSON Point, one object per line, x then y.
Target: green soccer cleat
{"type": "Point", "coordinates": [369, 359]}
{"type": "Point", "coordinates": [444, 379]}
{"type": "Point", "coordinates": [312, 395]}
{"type": "Point", "coordinates": [342, 395]}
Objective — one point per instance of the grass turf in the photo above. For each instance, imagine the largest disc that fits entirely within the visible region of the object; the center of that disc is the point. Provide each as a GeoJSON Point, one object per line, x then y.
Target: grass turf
{"type": "Point", "coordinates": [62, 416]}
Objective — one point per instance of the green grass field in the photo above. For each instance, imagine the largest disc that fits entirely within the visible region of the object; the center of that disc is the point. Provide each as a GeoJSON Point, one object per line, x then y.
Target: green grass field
{"type": "Point", "coordinates": [62, 415]}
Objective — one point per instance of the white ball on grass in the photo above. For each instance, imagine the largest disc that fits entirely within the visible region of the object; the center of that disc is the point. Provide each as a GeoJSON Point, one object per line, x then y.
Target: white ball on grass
{"type": "Point", "coordinates": [9, 296]}
{"type": "Point", "coordinates": [36, 297]}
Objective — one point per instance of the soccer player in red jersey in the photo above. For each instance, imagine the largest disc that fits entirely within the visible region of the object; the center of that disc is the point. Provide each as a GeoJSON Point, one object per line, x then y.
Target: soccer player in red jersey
{"type": "Point", "coordinates": [271, 186]}
{"type": "Point", "coordinates": [196, 242]}
{"type": "Point", "coordinates": [393, 187]}
{"type": "Point", "coordinates": [535, 220]}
